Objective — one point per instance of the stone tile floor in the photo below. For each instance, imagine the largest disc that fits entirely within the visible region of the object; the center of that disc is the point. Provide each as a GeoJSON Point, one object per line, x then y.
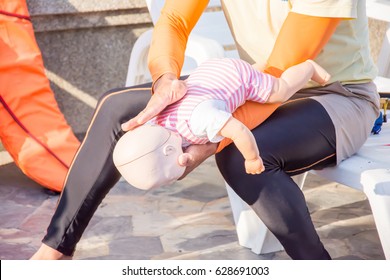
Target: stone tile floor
{"type": "Point", "coordinates": [190, 219]}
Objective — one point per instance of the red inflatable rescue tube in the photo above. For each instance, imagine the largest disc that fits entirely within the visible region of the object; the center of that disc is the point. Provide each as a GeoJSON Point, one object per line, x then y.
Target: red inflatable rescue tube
{"type": "Point", "coordinates": [32, 128]}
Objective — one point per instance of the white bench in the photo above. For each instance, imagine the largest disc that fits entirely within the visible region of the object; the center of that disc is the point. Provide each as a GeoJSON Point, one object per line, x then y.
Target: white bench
{"type": "Point", "coordinates": [367, 171]}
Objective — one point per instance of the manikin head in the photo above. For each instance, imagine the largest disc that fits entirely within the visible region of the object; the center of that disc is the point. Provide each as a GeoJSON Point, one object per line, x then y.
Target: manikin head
{"type": "Point", "coordinates": [147, 157]}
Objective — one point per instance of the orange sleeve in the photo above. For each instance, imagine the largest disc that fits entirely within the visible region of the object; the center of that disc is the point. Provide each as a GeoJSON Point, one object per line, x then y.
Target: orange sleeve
{"type": "Point", "coordinates": [170, 36]}
{"type": "Point", "coordinates": [301, 37]}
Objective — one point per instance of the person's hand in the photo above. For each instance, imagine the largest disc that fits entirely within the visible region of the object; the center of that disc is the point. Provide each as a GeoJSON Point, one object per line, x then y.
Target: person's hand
{"type": "Point", "coordinates": [167, 90]}
{"type": "Point", "coordinates": [194, 155]}
{"type": "Point", "coordinates": [254, 166]}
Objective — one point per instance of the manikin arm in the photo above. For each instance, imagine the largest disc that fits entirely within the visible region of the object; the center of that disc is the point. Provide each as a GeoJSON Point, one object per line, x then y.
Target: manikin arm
{"type": "Point", "coordinates": [295, 78]}
{"type": "Point", "coordinates": [245, 143]}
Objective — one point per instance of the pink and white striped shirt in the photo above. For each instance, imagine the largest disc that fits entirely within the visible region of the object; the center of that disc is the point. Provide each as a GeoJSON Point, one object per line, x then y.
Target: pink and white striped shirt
{"type": "Point", "coordinates": [231, 81]}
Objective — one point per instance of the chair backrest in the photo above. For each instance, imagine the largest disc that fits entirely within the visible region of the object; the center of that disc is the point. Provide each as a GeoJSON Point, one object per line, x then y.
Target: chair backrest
{"type": "Point", "coordinates": [155, 7]}
{"type": "Point", "coordinates": [212, 24]}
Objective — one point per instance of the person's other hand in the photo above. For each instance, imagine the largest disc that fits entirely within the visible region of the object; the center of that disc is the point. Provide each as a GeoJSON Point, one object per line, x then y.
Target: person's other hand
{"type": "Point", "coordinates": [194, 155]}
{"type": "Point", "coordinates": [167, 90]}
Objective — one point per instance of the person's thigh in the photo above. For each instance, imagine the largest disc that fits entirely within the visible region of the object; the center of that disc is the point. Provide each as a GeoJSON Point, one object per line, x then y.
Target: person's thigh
{"type": "Point", "coordinates": [92, 173]}
{"type": "Point", "coordinates": [299, 136]}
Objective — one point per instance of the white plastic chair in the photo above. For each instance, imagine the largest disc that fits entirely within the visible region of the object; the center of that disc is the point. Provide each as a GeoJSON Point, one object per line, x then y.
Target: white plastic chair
{"type": "Point", "coordinates": [367, 171]}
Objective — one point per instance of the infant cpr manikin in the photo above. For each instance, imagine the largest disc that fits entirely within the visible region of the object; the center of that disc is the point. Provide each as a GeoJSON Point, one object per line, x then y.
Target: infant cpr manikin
{"type": "Point", "coordinates": [147, 157]}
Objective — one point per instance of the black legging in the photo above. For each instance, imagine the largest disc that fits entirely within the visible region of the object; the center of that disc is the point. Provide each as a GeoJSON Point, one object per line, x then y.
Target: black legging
{"type": "Point", "coordinates": [297, 137]}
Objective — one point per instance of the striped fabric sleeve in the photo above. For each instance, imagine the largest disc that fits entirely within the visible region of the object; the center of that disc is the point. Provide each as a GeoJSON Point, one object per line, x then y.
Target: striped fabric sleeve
{"type": "Point", "coordinates": [258, 85]}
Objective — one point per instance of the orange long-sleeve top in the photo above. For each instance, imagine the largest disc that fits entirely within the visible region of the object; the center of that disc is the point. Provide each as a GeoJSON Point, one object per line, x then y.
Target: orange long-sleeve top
{"type": "Point", "coordinates": [304, 35]}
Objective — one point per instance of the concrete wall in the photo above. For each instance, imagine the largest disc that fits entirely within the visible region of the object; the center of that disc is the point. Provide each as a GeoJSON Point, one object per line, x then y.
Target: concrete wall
{"type": "Point", "coordinates": [86, 46]}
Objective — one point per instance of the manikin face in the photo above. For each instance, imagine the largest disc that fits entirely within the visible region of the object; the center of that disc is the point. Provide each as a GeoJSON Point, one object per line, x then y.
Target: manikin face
{"type": "Point", "coordinates": [147, 157]}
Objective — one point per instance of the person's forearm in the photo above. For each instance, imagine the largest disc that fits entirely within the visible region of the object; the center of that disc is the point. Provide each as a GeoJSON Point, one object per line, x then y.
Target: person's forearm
{"type": "Point", "coordinates": [170, 36]}
{"type": "Point", "coordinates": [305, 37]}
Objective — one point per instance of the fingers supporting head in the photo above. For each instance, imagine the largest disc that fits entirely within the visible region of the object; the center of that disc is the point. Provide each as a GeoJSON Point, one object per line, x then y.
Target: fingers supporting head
{"type": "Point", "coordinates": [185, 159]}
{"type": "Point", "coordinates": [130, 125]}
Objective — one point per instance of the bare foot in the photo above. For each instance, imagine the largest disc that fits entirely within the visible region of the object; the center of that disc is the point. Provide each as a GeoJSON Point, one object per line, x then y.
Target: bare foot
{"type": "Point", "coordinates": [320, 75]}
{"type": "Point", "coordinates": [47, 253]}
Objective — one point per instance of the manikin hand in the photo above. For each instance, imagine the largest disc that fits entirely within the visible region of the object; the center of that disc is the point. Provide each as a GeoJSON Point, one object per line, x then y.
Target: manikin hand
{"type": "Point", "coordinates": [254, 166]}
{"type": "Point", "coordinates": [167, 90]}
{"type": "Point", "coordinates": [194, 155]}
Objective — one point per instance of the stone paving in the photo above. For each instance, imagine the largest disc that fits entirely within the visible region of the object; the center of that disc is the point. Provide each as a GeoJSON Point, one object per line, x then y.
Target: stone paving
{"type": "Point", "coordinates": [190, 219]}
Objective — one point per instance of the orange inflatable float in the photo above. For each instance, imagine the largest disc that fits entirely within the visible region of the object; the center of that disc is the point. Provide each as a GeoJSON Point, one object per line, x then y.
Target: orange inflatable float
{"type": "Point", "coordinates": [32, 128]}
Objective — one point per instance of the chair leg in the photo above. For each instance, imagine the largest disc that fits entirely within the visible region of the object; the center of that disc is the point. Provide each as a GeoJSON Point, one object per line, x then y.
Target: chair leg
{"type": "Point", "coordinates": [376, 184]}
{"type": "Point", "coordinates": [251, 231]}
{"type": "Point", "coordinates": [300, 179]}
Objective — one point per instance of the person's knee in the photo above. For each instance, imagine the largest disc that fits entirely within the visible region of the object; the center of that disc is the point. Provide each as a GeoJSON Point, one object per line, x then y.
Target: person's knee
{"type": "Point", "coordinates": [271, 160]}
{"type": "Point", "coordinates": [120, 105]}
{"type": "Point", "coordinates": [229, 161]}
{"type": "Point", "coordinates": [107, 107]}
{"type": "Point", "coordinates": [107, 94]}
